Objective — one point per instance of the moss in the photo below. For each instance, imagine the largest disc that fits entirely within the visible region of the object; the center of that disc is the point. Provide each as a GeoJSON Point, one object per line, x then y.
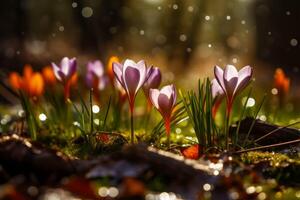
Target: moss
{"type": "Point", "coordinates": [275, 165]}
{"type": "Point", "coordinates": [275, 159]}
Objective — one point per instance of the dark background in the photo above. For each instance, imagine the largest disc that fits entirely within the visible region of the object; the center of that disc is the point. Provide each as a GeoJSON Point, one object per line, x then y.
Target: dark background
{"type": "Point", "coordinates": [172, 33]}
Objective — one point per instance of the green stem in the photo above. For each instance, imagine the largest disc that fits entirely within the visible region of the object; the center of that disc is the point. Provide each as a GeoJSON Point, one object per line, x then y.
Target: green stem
{"type": "Point", "coordinates": [91, 111]}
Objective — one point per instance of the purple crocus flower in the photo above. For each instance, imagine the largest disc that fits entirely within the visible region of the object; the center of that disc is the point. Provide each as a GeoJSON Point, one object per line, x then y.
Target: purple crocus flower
{"type": "Point", "coordinates": [232, 81]}
{"type": "Point", "coordinates": [131, 76]}
{"type": "Point", "coordinates": [153, 80]}
{"type": "Point", "coordinates": [164, 101]}
{"type": "Point", "coordinates": [95, 77]}
{"type": "Point", "coordinates": [65, 70]}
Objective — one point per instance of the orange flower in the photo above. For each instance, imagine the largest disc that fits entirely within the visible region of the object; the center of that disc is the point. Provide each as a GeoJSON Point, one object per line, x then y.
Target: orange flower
{"type": "Point", "coordinates": [48, 75]}
{"type": "Point", "coordinates": [31, 83]}
{"type": "Point", "coordinates": [74, 79]}
{"type": "Point", "coordinates": [36, 85]}
{"type": "Point", "coordinates": [15, 80]}
{"type": "Point", "coordinates": [110, 72]}
{"type": "Point", "coordinates": [281, 82]}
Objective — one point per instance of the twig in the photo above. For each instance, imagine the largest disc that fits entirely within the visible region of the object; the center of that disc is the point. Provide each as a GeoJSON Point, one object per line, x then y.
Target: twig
{"type": "Point", "coordinates": [268, 146]}
{"type": "Point", "coordinates": [275, 130]}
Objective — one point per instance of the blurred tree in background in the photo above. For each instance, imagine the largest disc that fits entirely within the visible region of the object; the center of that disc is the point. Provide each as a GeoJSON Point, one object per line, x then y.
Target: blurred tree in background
{"type": "Point", "coordinates": [177, 32]}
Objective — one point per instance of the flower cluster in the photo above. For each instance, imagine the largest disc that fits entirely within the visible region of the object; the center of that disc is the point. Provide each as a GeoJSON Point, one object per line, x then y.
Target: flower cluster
{"type": "Point", "coordinates": [31, 83]}
{"type": "Point", "coordinates": [127, 78]}
{"type": "Point", "coordinates": [132, 76]}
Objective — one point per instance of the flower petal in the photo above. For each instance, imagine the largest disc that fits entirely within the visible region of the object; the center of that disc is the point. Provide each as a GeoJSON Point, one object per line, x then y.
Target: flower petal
{"type": "Point", "coordinates": [131, 79]}
{"type": "Point", "coordinates": [64, 66]}
{"type": "Point", "coordinates": [153, 95]}
{"type": "Point", "coordinates": [102, 82]}
{"type": "Point", "coordinates": [153, 80]}
{"type": "Point", "coordinates": [15, 80]}
{"type": "Point", "coordinates": [245, 75]}
{"type": "Point", "coordinates": [219, 74]}
{"type": "Point", "coordinates": [230, 80]}
{"type": "Point", "coordinates": [129, 63]}
{"type": "Point", "coordinates": [216, 89]}
{"type": "Point", "coordinates": [167, 90]}
{"type": "Point", "coordinates": [165, 104]}
{"type": "Point", "coordinates": [230, 72]}
{"type": "Point", "coordinates": [96, 67]}
{"type": "Point", "coordinates": [117, 69]}
{"type": "Point", "coordinates": [72, 67]}
{"type": "Point", "coordinates": [57, 72]}
{"type": "Point", "coordinates": [174, 95]}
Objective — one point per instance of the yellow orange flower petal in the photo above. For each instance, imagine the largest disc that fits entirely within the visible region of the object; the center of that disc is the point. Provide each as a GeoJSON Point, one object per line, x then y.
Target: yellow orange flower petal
{"type": "Point", "coordinates": [27, 71]}
{"type": "Point", "coordinates": [281, 82]}
{"type": "Point", "coordinates": [74, 79]}
{"type": "Point", "coordinates": [36, 85]}
{"type": "Point", "coordinates": [110, 72]}
{"type": "Point", "coordinates": [32, 84]}
{"type": "Point", "coordinates": [15, 80]}
{"type": "Point", "coordinates": [48, 75]}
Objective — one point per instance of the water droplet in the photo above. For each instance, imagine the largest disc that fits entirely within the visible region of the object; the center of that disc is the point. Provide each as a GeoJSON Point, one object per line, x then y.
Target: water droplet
{"type": "Point", "coordinates": [103, 191]}
{"type": "Point", "coordinates": [190, 8]}
{"type": "Point", "coordinates": [97, 121]}
{"type": "Point", "coordinates": [294, 42]}
{"type": "Point", "coordinates": [250, 103]}
{"type": "Point", "coordinates": [21, 113]}
{"type": "Point", "coordinates": [263, 118]}
{"type": "Point", "coordinates": [74, 4]}
{"type": "Point", "coordinates": [61, 28]}
{"type": "Point", "coordinates": [206, 187]}
{"type": "Point", "coordinates": [96, 109]}
{"type": "Point", "coordinates": [207, 17]}
{"type": "Point", "coordinates": [87, 12]}
{"type": "Point", "coordinates": [32, 190]}
{"type": "Point", "coordinates": [274, 91]}
{"type": "Point", "coordinates": [178, 130]}
{"type": "Point", "coordinates": [76, 123]}
{"type": "Point", "coordinates": [113, 192]}
{"type": "Point", "coordinates": [175, 6]}
{"type": "Point", "coordinates": [42, 117]}
{"type": "Point", "coordinates": [234, 195]}
{"type": "Point", "coordinates": [234, 60]}
{"type": "Point", "coordinates": [182, 37]}
{"type": "Point", "coordinates": [262, 196]}
{"type": "Point", "coordinates": [250, 190]}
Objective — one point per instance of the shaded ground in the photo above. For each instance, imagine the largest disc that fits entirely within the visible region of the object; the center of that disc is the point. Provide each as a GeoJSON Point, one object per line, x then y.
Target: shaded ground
{"type": "Point", "coordinates": [28, 170]}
